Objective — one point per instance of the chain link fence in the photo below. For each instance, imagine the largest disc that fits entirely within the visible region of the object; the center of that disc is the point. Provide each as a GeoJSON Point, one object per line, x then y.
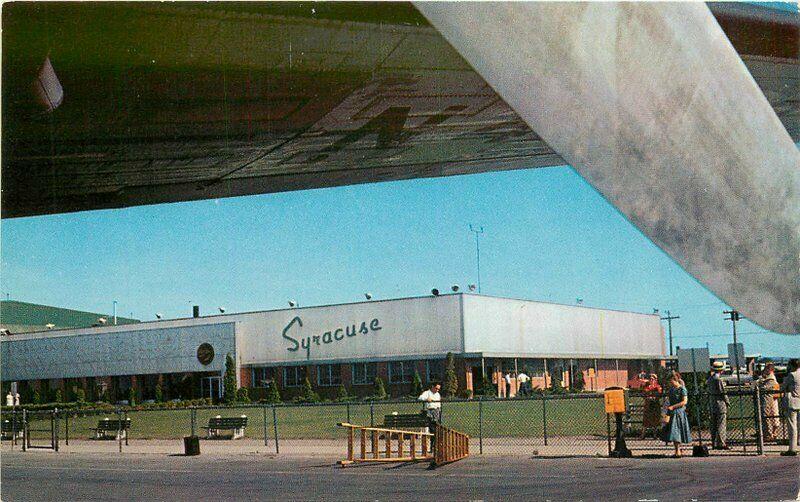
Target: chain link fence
{"type": "Point", "coordinates": [560, 425]}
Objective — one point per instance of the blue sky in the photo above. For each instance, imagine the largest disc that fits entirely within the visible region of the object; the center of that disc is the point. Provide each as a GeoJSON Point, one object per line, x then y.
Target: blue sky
{"type": "Point", "coordinates": [548, 236]}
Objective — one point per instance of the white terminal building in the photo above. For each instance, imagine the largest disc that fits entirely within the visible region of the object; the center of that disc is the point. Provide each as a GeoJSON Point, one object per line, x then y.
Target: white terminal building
{"type": "Point", "coordinates": [347, 344]}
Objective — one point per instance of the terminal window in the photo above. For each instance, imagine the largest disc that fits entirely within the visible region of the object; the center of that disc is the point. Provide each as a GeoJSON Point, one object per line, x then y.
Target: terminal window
{"type": "Point", "coordinates": [401, 371]}
{"type": "Point", "coordinates": [434, 370]}
{"type": "Point", "coordinates": [364, 373]}
{"type": "Point", "coordinates": [262, 377]}
{"type": "Point", "coordinates": [293, 376]}
{"type": "Point", "coordinates": [329, 375]}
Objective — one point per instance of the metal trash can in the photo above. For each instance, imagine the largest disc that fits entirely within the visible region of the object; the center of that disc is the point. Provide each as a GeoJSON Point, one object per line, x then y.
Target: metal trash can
{"type": "Point", "coordinates": [191, 445]}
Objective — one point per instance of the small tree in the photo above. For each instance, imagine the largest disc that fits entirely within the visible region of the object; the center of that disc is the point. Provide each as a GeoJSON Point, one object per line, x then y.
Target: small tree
{"type": "Point", "coordinates": [57, 397]}
{"type": "Point", "coordinates": [380, 390]}
{"type": "Point", "coordinates": [416, 385]}
{"type": "Point", "coordinates": [308, 395]}
{"type": "Point", "coordinates": [556, 377]}
{"type": "Point", "coordinates": [80, 395]}
{"type": "Point", "coordinates": [341, 393]}
{"type": "Point", "coordinates": [486, 388]}
{"type": "Point", "coordinates": [273, 394]}
{"type": "Point", "coordinates": [159, 393]}
{"type": "Point", "coordinates": [37, 397]}
{"type": "Point", "coordinates": [242, 395]}
{"type": "Point", "coordinates": [132, 396]}
{"type": "Point", "coordinates": [450, 379]}
{"type": "Point", "coordinates": [578, 382]}
{"type": "Point", "coordinates": [230, 379]}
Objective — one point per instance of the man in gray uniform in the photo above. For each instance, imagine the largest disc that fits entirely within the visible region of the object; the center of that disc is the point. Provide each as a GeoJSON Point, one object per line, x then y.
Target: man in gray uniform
{"type": "Point", "coordinates": [791, 389]}
{"type": "Point", "coordinates": [718, 406]}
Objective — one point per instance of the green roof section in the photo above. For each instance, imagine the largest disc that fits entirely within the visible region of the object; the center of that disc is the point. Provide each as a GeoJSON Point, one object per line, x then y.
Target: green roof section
{"type": "Point", "coordinates": [20, 317]}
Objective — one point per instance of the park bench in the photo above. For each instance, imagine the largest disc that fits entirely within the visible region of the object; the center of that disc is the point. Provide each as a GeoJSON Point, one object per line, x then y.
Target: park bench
{"type": "Point", "coordinates": [407, 421]}
{"type": "Point", "coordinates": [108, 428]}
{"type": "Point", "coordinates": [9, 429]}
{"type": "Point", "coordinates": [218, 424]}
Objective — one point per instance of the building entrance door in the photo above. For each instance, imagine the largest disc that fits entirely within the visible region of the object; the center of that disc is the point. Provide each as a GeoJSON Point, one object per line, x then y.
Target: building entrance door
{"type": "Point", "coordinates": [211, 387]}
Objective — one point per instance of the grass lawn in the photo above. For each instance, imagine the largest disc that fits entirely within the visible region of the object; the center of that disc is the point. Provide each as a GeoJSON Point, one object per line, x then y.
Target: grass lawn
{"type": "Point", "coordinates": [513, 418]}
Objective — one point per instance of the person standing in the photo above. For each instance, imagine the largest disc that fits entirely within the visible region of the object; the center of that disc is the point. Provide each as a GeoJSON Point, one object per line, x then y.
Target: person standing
{"type": "Point", "coordinates": [678, 428]}
{"type": "Point", "coordinates": [718, 406]}
{"type": "Point", "coordinates": [651, 416]}
{"type": "Point", "coordinates": [9, 399]}
{"type": "Point", "coordinates": [433, 402]}
{"type": "Point", "coordinates": [507, 380]}
{"type": "Point", "coordinates": [768, 385]}
{"type": "Point", "coordinates": [791, 402]}
{"type": "Point", "coordinates": [524, 383]}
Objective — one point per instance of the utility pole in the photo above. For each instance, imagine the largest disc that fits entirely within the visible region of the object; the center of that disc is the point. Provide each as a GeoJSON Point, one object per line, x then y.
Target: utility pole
{"type": "Point", "coordinates": [733, 316]}
{"type": "Point", "coordinates": [477, 232]}
{"type": "Point", "coordinates": [669, 319]}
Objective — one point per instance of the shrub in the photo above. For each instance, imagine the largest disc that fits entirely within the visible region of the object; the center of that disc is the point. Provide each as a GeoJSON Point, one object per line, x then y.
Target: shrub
{"type": "Point", "coordinates": [486, 387]}
{"type": "Point", "coordinates": [37, 398]}
{"type": "Point", "coordinates": [273, 393]}
{"type": "Point", "coordinates": [80, 396]}
{"type": "Point", "coordinates": [242, 395]}
{"type": "Point", "coordinates": [307, 394]}
{"type": "Point", "coordinates": [450, 387]}
{"type": "Point", "coordinates": [58, 398]}
{"type": "Point", "coordinates": [341, 393]}
{"type": "Point", "coordinates": [578, 382]}
{"type": "Point", "coordinates": [159, 398]}
{"type": "Point", "coordinates": [416, 385]}
{"type": "Point", "coordinates": [132, 397]}
{"type": "Point", "coordinates": [230, 379]}
{"type": "Point", "coordinates": [380, 390]}
{"type": "Point", "coordinates": [555, 381]}
{"type": "Point", "coordinates": [466, 394]}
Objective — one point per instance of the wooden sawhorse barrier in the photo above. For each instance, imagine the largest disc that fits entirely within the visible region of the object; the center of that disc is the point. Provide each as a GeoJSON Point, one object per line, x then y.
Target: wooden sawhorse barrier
{"type": "Point", "coordinates": [450, 445]}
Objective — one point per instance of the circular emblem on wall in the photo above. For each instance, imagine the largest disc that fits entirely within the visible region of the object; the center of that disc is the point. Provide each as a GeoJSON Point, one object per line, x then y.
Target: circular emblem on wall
{"type": "Point", "coordinates": [205, 354]}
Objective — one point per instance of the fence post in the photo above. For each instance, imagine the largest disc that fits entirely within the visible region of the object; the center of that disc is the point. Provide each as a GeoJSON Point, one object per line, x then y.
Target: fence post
{"type": "Point", "coordinates": [480, 425]}
{"type": "Point", "coordinates": [25, 437]}
{"type": "Point", "coordinates": [275, 428]}
{"type": "Point", "coordinates": [13, 427]}
{"type": "Point", "coordinates": [758, 417]}
{"type": "Point", "coordinates": [544, 418]}
{"type": "Point", "coordinates": [119, 429]}
{"type": "Point", "coordinates": [348, 412]}
{"type": "Point", "coordinates": [54, 429]}
{"type": "Point", "coordinates": [264, 410]}
{"type": "Point", "coordinates": [193, 420]}
{"type": "Point", "coordinates": [372, 414]}
{"type": "Point", "coordinates": [66, 428]}
{"type": "Point", "coordinates": [608, 432]}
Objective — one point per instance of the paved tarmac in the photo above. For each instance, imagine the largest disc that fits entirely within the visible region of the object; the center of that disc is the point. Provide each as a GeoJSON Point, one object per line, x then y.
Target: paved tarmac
{"type": "Point", "coordinates": [45, 475]}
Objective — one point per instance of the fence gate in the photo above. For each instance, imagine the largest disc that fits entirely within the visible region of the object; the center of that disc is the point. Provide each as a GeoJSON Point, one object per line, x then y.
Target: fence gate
{"type": "Point", "coordinates": [41, 430]}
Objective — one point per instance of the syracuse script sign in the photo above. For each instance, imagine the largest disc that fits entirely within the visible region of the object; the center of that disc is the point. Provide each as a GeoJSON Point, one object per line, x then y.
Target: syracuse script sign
{"type": "Point", "coordinates": [336, 335]}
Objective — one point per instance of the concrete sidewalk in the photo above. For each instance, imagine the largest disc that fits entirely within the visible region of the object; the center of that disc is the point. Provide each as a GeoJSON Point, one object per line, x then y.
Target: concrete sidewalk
{"type": "Point", "coordinates": [337, 448]}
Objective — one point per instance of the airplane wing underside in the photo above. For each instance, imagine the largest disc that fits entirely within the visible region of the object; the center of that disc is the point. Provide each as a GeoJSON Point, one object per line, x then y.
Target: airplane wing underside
{"type": "Point", "coordinates": [176, 102]}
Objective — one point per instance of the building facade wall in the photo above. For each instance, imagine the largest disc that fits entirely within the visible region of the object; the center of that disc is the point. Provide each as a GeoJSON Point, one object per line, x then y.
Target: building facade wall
{"type": "Point", "coordinates": [93, 353]}
{"type": "Point", "coordinates": [520, 328]}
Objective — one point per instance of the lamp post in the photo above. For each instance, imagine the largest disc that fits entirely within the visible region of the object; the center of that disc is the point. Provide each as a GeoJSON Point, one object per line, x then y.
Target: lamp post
{"type": "Point", "coordinates": [477, 231]}
{"type": "Point", "coordinates": [115, 312]}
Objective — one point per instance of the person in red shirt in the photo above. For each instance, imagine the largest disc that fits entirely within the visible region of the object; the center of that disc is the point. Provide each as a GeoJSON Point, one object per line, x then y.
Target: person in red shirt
{"type": "Point", "coordinates": [651, 417]}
